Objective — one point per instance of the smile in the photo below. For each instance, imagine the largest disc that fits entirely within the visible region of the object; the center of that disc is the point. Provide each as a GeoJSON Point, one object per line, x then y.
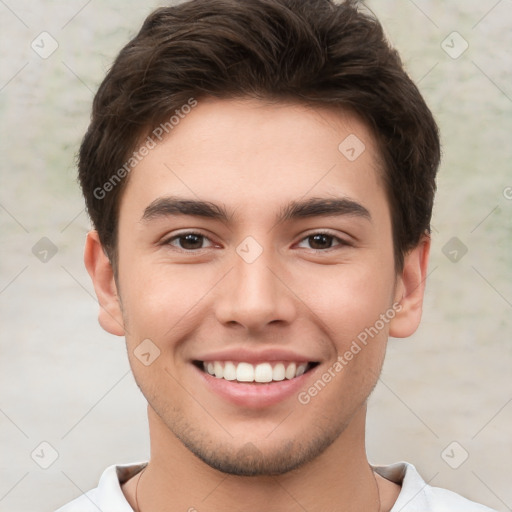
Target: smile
{"type": "Point", "coordinates": [260, 373]}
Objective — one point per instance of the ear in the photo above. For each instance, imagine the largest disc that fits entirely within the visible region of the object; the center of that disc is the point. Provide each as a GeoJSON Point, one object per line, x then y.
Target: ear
{"type": "Point", "coordinates": [100, 269]}
{"type": "Point", "coordinates": [410, 288]}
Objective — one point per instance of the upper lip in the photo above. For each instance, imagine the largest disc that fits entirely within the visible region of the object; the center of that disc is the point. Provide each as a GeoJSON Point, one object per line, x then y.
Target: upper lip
{"type": "Point", "coordinates": [256, 356]}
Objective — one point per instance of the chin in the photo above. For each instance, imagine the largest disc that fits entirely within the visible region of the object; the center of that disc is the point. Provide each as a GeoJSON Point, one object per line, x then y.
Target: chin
{"type": "Point", "coordinates": [254, 459]}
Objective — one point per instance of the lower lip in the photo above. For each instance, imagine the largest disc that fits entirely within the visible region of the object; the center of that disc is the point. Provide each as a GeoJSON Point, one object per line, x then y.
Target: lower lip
{"type": "Point", "coordinates": [255, 395]}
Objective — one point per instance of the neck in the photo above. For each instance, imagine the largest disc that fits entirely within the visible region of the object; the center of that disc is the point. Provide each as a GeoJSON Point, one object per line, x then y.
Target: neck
{"type": "Point", "coordinates": [176, 480]}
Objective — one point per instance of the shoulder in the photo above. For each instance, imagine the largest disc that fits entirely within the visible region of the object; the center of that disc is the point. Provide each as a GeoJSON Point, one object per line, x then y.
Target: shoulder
{"type": "Point", "coordinates": [417, 496]}
{"type": "Point", "coordinates": [108, 496]}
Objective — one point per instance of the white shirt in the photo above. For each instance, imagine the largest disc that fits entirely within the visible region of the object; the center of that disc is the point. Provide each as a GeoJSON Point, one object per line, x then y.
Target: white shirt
{"type": "Point", "coordinates": [415, 496]}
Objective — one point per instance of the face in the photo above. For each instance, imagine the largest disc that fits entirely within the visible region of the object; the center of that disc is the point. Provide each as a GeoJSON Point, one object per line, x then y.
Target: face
{"type": "Point", "coordinates": [253, 253]}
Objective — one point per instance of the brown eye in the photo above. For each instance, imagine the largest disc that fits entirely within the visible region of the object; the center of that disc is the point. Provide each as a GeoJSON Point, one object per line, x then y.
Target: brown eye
{"type": "Point", "coordinates": [320, 241]}
{"type": "Point", "coordinates": [187, 241]}
{"type": "Point", "coordinates": [323, 241]}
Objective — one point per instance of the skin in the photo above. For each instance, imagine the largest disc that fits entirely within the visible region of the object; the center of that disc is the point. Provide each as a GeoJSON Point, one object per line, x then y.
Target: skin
{"type": "Point", "coordinates": [253, 158]}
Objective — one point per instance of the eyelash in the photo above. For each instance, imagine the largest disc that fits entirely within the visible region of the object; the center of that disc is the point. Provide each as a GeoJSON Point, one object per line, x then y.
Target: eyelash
{"type": "Point", "coordinates": [341, 242]}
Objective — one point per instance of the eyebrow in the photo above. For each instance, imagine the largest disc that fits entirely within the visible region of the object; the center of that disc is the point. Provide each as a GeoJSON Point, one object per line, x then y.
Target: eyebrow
{"type": "Point", "coordinates": [312, 207]}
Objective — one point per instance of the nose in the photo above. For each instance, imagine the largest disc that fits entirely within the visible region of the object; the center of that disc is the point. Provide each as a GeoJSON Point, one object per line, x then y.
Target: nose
{"type": "Point", "coordinates": [256, 294]}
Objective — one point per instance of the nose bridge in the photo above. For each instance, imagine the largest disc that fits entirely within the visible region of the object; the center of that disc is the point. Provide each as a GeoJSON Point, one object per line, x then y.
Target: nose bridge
{"type": "Point", "coordinates": [254, 295]}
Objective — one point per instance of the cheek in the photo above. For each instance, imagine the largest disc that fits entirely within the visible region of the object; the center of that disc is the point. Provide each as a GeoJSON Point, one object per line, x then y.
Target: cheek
{"type": "Point", "coordinates": [352, 307]}
{"type": "Point", "coordinates": [349, 299]}
{"type": "Point", "coordinates": [157, 299]}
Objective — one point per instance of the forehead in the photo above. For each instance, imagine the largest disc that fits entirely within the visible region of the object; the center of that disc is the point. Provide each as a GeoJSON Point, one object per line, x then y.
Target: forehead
{"type": "Point", "coordinates": [254, 156]}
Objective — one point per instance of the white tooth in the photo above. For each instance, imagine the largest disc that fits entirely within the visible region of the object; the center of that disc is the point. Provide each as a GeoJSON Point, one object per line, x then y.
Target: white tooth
{"type": "Point", "coordinates": [290, 371]}
{"type": "Point", "coordinates": [219, 371]}
{"type": "Point", "coordinates": [300, 370]}
{"type": "Point", "coordinates": [210, 368]}
{"type": "Point", "coordinates": [263, 372]}
{"type": "Point", "coordinates": [229, 371]}
{"type": "Point", "coordinates": [278, 372]}
{"type": "Point", "coordinates": [245, 372]}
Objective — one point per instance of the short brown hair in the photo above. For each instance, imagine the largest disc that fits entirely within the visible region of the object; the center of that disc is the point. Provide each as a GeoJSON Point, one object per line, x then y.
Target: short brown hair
{"type": "Point", "coordinates": [310, 51]}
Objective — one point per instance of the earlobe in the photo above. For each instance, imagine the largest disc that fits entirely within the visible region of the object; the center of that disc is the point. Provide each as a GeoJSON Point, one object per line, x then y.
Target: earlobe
{"type": "Point", "coordinates": [410, 290]}
{"type": "Point", "coordinates": [100, 269]}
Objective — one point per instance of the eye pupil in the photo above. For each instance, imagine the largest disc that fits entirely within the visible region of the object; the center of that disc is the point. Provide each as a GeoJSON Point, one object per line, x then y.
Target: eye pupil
{"type": "Point", "coordinates": [190, 239]}
{"type": "Point", "coordinates": [321, 239]}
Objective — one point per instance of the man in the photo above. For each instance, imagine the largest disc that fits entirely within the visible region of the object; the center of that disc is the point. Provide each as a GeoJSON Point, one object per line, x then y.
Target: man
{"type": "Point", "coordinates": [260, 175]}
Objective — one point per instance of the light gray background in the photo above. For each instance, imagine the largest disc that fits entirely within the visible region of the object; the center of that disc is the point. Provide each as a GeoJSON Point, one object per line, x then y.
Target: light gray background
{"type": "Point", "coordinates": [66, 382]}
